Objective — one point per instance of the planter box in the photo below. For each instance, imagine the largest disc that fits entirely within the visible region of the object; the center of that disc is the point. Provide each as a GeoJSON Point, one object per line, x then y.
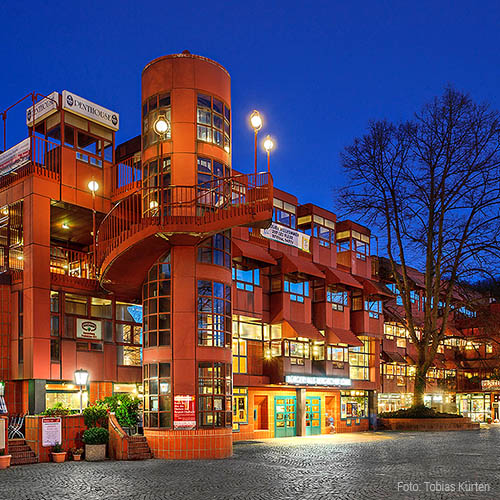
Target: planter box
{"type": "Point", "coordinates": [428, 424]}
{"type": "Point", "coordinates": [95, 452]}
{"type": "Point", "coordinates": [58, 457]}
{"type": "Point", "coordinates": [5, 461]}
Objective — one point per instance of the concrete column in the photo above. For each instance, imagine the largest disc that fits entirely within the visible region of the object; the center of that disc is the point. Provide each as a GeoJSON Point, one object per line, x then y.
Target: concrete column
{"type": "Point", "coordinates": [300, 422]}
{"type": "Point", "coordinates": [36, 396]}
{"type": "Point", "coordinates": [372, 409]}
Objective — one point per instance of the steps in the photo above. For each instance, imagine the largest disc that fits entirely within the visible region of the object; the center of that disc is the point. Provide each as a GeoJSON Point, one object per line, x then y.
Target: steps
{"type": "Point", "coordinates": [21, 453]}
{"type": "Point", "coordinates": [138, 448]}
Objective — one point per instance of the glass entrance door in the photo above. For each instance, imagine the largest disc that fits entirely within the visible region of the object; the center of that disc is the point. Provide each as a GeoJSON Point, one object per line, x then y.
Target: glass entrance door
{"type": "Point", "coordinates": [284, 416]}
{"type": "Point", "coordinates": [313, 416]}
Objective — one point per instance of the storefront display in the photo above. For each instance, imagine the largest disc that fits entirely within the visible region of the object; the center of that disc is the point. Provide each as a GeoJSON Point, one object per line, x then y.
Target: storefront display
{"type": "Point", "coordinates": [477, 406]}
{"type": "Point", "coordinates": [354, 404]}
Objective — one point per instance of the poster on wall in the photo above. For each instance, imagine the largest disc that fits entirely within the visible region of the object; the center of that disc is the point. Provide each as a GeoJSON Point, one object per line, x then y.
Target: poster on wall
{"type": "Point", "coordinates": [88, 329]}
{"type": "Point", "coordinates": [51, 431]}
{"type": "Point", "coordinates": [184, 413]}
{"type": "Point", "coordinates": [285, 235]}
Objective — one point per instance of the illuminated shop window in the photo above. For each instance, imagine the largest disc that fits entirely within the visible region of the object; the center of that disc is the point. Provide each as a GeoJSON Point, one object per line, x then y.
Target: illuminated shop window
{"type": "Point", "coordinates": [353, 404]}
{"type": "Point", "coordinates": [214, 121]}
{"type": "Point", "coordinates": [216, 250]}
{"type": "Point", "coordinates": [239, 355]}
{"type": "Point", "coordinates": [246, 279]}
{"type": "Point", "coordinates": [214, 314]}
{"type": "Point", "coordinates": [360, 360]}
{"type": "Point", "coordinates": [65, 393]}
{"type": "Point", "coordinates": [284, 213]}
{"type": "Point", "coordinates": [298, 290]}
{"type": "Point", "coordinates": [298, 351]}
{"type": "Point", "coordinates": [156, 195]}
{"type": "Point", "coordinates": [240, 407]}
{"type": "Point", "coordinates": [337, 298]}
{"type": "Point", "coordinates": [252, 328]}
{"type": "Point", "coordinates": [339, 354]}
{"type": "Point", "coordinates": [318, 227]}
{"type": "Point", "coordinates": [157, 395]}
{"type": "Point", "coordinates": [152, 108]}
{"type": "Point", "coordinates": [214, 395]}
{"type": "Point", "coordinates": [157, 303]}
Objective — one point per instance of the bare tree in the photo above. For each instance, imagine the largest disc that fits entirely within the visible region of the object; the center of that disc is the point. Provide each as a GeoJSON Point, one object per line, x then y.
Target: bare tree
{"type": "Point", "coordinates": [431, 186]}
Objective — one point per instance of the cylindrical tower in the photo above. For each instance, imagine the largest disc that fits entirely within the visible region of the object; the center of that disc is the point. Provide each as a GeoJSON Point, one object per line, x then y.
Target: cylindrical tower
{"type": "Point", "coordinates": [186, 155]}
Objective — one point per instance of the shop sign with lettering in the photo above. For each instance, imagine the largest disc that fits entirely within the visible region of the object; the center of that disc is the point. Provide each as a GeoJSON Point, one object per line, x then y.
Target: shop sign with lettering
{"type": "Point", "coordinates": [88, 329]}
{"type": "Point", "coordinates": [285, 235]}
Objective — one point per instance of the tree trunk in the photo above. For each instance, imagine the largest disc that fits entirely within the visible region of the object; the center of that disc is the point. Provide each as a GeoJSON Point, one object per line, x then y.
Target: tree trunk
{"type": "Point", "coordinates": [420, 384]}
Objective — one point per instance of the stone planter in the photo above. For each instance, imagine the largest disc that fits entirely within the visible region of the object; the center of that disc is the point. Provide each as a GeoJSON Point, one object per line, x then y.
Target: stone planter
{"type": "Point", "coordinates": [58, 457]}
{"type": "Point", "coordinates": [5, 461]}
{"type": "Point", "coordinates": [95, 452]}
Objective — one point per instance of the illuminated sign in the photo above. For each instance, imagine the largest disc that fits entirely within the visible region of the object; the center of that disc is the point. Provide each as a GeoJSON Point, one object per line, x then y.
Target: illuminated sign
{"type": "Point", "coordinates": [184, 413]}
{"type": "Point", "coordinates": [88, 329]}
{"type": "Point", "coordinates": [324, 381]}
{"type": "Point", "coordinates": [288, 236]}
{"type": "Point", "coordinates": [44, 108]}
{"type": "Point", "coordinates": [15, 157]}
{"type": "Point", "coordinates": [90, 110]}
{"type": "Point", "coordinates": [490, 385]}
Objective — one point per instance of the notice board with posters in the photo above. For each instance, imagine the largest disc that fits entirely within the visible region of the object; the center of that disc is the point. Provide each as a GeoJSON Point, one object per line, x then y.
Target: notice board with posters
{"type": "Point", "coordinates": [51, 431]}
{"type": "Point", "coordinates": [184, 413]}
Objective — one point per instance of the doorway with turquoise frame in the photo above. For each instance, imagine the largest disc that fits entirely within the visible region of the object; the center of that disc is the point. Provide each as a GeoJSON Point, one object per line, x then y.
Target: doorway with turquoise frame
{"type": "Point", "coordinates": [313, 416]}
{"type": "Point", "coordinates": [285, 414]}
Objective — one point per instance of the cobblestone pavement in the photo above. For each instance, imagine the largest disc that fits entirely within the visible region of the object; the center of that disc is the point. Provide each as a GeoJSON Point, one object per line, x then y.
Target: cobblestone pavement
{"type": "Point", "coordinates": [362, 466]}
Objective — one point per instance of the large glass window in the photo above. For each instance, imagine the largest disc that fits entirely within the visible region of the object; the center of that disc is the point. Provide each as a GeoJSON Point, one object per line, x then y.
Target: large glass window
{"type": "Point", "coordinates": [353, 404]}
{"type": "Point", "coordinates": [157, 395]}
{"type": "Point", "coordinates": [214, 314]}
{"type": "Point", "coordinates": [298, 290]}
{"type": "Point", "coordinates": [157, 303]}
{"type": "Point", "coordinates": [284, 213]}
{"type": "Point", "coordinates": [246, 279]}
{"type": "Point", "coordinates": [214, 395]}
{"type": "Point", "coordinates": [239, 355]}
{"type": "Point", "coordinates": [214, 189]}
{"type": "Point", "coordinates": [240, 407]}
{"type": "Point", "coordinates": [129, 334]}
{"type": "Point", "coordinates": [360, 360]}
{"type": "Point", "coordinates": [55, 332]}
{"type": "Point", "coordinates": [214, 121]}
{"type": "Point", "coordinates": [337, 298]}
{"type": "Point", "coordinates": [252, 328]}
{"type": "Point", "coordinates": [374, 308]}
{"type": "Point", "coordinates": [216, 250]}
{"type": "Point", "coordinates": [156, 196]}
{"type": "Point", "coordinates": [152, 109]}
{"type": "Point", "coordinates": [318, 227]}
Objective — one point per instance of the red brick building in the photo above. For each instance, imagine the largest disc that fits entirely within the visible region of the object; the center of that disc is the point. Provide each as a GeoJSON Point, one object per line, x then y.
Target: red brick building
{"type": "Point", "coordinates": [233, 310]}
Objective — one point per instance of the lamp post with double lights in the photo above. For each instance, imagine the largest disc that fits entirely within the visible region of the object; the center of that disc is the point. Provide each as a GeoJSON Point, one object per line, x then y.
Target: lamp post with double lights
{"type": "Point", "coordinates": [81, 380]}
{"type": "Point", "coordinates": [268, 146]}
{"type": "Point", "coordinates": [93, 186]}
{"type": "Point", "coordinates": [256, 123]}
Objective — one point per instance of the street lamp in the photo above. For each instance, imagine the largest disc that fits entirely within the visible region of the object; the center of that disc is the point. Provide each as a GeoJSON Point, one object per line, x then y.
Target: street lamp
{"type": "Point", "coordinates": [161, 126]}
{"type": "Point", "coordinates": [81, 379]}
{"type": "Point", "coordinates": [268, 145]}
{"type": "Point", "coordinates": [256, 123]}
{"type": "Point", "coordinates": [93, 186]}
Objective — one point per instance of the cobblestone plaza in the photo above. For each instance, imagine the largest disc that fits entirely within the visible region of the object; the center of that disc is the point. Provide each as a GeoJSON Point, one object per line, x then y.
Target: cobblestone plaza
{"type": "Point", "coordinates": [358, 466]}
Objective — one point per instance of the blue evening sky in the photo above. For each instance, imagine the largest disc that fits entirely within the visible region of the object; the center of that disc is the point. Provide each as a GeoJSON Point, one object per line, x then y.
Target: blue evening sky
{"type": "Point", "coordinates": [317, 70]}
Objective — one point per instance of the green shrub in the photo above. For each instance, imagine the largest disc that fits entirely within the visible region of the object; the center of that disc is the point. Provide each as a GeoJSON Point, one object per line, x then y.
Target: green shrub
{"type": "Point", "coordinates": [96, 435]}
{"type": "Point", "coordinates": [57, 448]}
{"type": "Point", "coordinates": [419, 411]}
{"type": "Point", "coordinates": [124, 407]}
{"type": "Point", "coordinates": [95, 415]}
{"type": "Point", "coordinates": [58, 410]}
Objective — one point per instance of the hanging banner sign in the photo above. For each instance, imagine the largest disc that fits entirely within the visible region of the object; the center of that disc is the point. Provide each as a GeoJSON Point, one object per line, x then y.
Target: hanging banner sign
{"type": "Point", "coordinates": [15, 157]}
{"type": "Point", "coordinates": [288, 236]}
{"type": "Point", "coordinates": [88, 329]}
{"type": "Point", "coordinates": [490, 385]}
{"type": "Point", "coordinates": [184, 413]}
{"type": "Point", "coordinates": [91, 111]}
{"type": "Point", "coordinates": [47, 106]}
{"type": "Point", "coordinates": [51, 431]}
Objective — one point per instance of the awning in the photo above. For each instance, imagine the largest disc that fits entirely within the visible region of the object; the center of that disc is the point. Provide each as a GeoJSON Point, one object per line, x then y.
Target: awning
{"type": "Point", "coordinates": [291, 264]}
{"type": "Point", "coordinates": [252, 251]}
{"type": "Point", "coordinates": [334, 276]}
{"type": "Point", "coordinates": [293, 329]}
{"type": "Point", "coordinates": [371, 287]}
{"type": "Point", "coordinates": [393, 357]}
{"type": "Point", "coordinates": [341, 336]}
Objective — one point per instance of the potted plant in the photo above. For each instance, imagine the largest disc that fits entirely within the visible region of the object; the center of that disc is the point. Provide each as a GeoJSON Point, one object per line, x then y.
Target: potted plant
{"type": "Point", "coordinates": [4, 460]}
{"type": "Point", "coordinates": [58, 454]}
{"type": "Point", "coordinates": [95, 440]}
{"type": "Point", "coordinates": [77, 453]}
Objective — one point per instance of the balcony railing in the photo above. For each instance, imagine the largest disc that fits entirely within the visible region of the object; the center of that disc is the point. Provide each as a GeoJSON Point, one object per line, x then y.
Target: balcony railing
{"type": "Point", "coordinates": [185, 208]}
{"type": "Point", "coordinates": [71, 263]}
{"type": "Point", "coordinates": [34, 155]}
{"type": "Point", "coordinates": [126, 176]}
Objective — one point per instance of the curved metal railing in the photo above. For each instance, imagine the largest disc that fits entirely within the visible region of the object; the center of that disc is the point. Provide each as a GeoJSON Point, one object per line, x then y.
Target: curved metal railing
{"type": "Point", "coordinates": [184, 208]}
